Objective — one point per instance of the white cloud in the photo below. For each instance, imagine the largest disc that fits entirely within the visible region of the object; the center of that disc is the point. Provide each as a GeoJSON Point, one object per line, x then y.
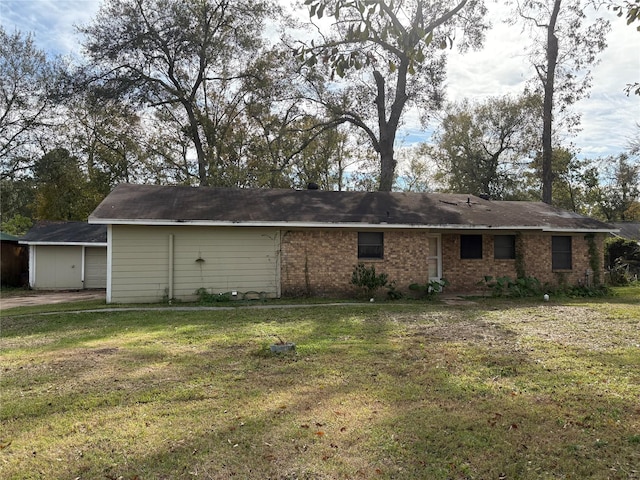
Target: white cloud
{"type": "Point", "coordinates": [608, 116]}
{"type": "Point", "coordinates": [52, 22]}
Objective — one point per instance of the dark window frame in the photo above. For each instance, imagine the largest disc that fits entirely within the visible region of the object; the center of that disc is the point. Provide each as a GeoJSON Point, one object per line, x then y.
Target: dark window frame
{"type": "Point", "coordinates": [561, 252]}
{"type": "Point", "coordinates": [471, 247]}
{"type": "Point", "coordinates": [371, 245]}
{"type": "Point", "coordinates": [504, 247]}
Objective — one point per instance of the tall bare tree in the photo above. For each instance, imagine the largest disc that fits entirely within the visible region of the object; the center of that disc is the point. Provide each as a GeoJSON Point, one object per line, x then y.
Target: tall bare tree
{"type": "Point", "coordinates": [387, 54]}
{"type": "Point", "coordinates": [26, 79]}
{"type": "Point", "coordinates": [564, 49]}
{"type": "Point", "coordinates": [190, 54]}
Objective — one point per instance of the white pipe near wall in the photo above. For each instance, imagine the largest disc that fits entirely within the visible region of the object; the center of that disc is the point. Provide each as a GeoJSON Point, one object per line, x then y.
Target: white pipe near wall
{"type": "Point", "coordinates": [84, 265]}
{"type": "Point", "coordinates": [170, 266]}
{"type": "Point", "coordinates": [109, 261]}
{"type": "Point", "coordinates": [32, 266]}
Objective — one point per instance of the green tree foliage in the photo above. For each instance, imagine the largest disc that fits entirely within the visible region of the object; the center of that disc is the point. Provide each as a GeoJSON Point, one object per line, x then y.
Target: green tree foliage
{"type": "Point", "coordinates": [631, 11]}
{"type": "Point", "coordinates": [384, 56]}
{"type": "Point", "coordinates": [485, 147]}
{"type": "Point", "coordinates": [107, 137]}
{"type": "Point", "coordinates": [17, 225]}
{"type": "Point", "coordinates": [570, 180]}
{"type": "Point", "coordinates": [614, 188]}
{"type": "Point", "coordinates": [26, 78]}
{"type": "Point", "coordinates": [16, 198]}
{"type": "Point", "coordinates": [323, 162]}
{"type": "Point", "coordinates": [64, 191]}
{"type": "Point", "coordinates": [564, 47]}
{"type": "Point", "coordinates": [184, 56]}
{"type": "Point", "coordinates": [417, 174]}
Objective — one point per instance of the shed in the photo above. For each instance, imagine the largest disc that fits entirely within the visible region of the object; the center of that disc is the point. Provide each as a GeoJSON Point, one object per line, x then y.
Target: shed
{"type": "Point", "coordinates": [67, 255]}
{"type": "Point", "coordinates": [14, 262]}
{"type": "Point", "coordinates": [167, 242]}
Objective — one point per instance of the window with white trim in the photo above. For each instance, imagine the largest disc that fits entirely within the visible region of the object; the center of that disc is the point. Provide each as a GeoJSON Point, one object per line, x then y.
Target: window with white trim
{"type": "Point", "coordinates": [434, 258]}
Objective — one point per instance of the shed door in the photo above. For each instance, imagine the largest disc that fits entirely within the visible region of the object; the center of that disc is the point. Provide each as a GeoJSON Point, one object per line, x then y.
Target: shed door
{"type": "Point", "coordinates": [58, 267]}
{"type": "Point", "coordinates": [95, 273]}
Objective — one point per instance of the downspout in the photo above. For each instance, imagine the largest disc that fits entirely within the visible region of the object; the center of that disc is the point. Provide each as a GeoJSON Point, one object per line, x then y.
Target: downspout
{"type": "Point", "coordinates": [32, 266]}
{"type": "Point", "coordinates": [84, 265]}
{"type": "Point", "coordinates": [170, 294]}
{"type": "Point", "coordinates": [109, 262]}
{"type": "Point", "coordinates": [278, 238]}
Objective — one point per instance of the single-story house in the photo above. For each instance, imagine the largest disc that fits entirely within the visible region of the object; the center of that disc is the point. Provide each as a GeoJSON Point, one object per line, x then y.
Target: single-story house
{"type": "Point", "coordinates": [167, 242]}
{"type": "Point", "coordinates": [67, 255]}
{"type": "Point", "coordinates": [13, 261]}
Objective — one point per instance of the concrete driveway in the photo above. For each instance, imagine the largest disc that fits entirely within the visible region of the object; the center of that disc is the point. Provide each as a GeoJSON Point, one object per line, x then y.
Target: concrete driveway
{"type": "Point", "coordinates": [47, 298]}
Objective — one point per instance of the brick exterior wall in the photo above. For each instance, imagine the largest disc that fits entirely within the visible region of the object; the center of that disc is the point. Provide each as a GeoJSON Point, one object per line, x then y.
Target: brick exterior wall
{"type": "Point", "coordinates": [320, 262]}
{"type": "Point", "coordinates": [464, 275]}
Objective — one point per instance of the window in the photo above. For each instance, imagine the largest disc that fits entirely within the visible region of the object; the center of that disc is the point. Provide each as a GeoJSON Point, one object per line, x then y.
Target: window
{"type": "Point", "coordinates": [434, 259]}
{"type": "Point", "coordinates": [561, 253]}
{"type": "Point", "coordinates": [504, 247]}
{"type": "Point", "coordinates": [370, 244]}
{"type": "Point", "coordinates": [470, 246]}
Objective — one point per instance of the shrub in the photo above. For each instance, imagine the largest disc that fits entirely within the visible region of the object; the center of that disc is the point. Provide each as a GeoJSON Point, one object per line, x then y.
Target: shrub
{"type": "Point", "coordinates": [393, 293]}
{"type": "Point", "coordinates": [206, 297]}
{"type": "Point", "coordinates": [622, 260]}
{"type": "Point", "coordinates": [577, 291]}
{"type": "Point", "coordinates": [508, 287]}
{"type": "Point", "coordinates": [429, 289]}
{"type": "Point", "coordinates": [367, 279]}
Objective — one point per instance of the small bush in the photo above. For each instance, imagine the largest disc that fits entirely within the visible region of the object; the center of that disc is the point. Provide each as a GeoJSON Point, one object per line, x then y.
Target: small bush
{"type": "Point", "coordinates": [429, 289]}
{"type": "Point", "coordinates": [393, 293]}
{"type": "Point", "coordinates": [622, 257]}
{"type": "Point", "coordinates": [367, 279]}
{"type": "Point", "coordinates": [508, 287]}
{"type": "Point", "coordinates": [206, 297]}
{"type": "Point", "coordinates": [577, 291]}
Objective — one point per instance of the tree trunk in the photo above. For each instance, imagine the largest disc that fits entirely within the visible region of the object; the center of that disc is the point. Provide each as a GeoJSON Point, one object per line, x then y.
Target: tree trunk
{"type": "Point", "coordinates": [552, 59]}
{"type": "Point", "coordinates": [197, 142]}
{"type": "Point", "coordinates": [387, 164]}
{"type": "Point", "coordinates": [388, 128]}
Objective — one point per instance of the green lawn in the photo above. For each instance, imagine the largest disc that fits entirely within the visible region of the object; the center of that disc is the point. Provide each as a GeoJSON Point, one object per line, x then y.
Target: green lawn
{"type": "Point", "coordinates": [484, 390]}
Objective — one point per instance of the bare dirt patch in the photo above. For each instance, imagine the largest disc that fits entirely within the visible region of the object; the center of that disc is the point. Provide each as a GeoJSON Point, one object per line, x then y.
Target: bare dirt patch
{"type": "Point", "coordinates": [48, 298]}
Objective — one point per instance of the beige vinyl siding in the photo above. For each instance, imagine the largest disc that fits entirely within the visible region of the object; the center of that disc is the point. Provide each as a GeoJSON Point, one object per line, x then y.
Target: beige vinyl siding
{"type": "Point", "coordinates": [95, 267]}
{"type": "Point", "coordinates": [58, 267]}
{"type": "Point", "coordinates": [232, 259]}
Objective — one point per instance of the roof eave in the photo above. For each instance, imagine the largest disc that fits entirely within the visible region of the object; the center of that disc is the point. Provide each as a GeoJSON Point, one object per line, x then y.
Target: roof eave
{"type": "Point", "coordinates": [284, 224]}
{"type": "Point", "coordinates": [65, 244]}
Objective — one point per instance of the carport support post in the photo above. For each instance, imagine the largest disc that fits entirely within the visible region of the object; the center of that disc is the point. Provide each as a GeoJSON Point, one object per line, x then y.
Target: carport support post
{"type": "Point", "coordinates": [170, 267]}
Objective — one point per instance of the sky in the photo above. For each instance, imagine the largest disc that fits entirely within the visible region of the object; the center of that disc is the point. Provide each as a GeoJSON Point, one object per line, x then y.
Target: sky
{"type": "Point", "coordinates": [610, 118]}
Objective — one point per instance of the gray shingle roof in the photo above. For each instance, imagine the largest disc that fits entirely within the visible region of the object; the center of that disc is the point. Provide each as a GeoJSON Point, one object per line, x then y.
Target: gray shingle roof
{"type": "Point", "coordinates": [53, 232]}
{"type": "Point", "coordinates": [161, 205]}
{"type": "Point", "coordinates": [630, 230]}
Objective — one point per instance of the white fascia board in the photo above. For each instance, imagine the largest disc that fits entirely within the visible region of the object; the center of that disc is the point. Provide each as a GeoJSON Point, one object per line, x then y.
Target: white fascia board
{"type": "Point", "coordinates": [68, 244]}
{"type": "Point", "coordinates": [208, 223]}
{"type": "Point", "coordinates": [579, 230]}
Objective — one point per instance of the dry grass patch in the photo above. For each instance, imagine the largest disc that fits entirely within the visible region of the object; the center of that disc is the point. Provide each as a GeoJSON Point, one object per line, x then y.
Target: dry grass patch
{"type": "Point", "coordinates": [492, 390]}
